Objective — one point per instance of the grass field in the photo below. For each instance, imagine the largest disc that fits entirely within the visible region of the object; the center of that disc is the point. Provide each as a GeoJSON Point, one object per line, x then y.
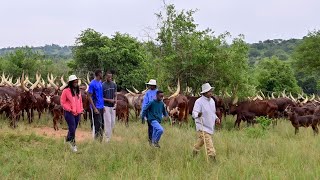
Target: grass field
{"type": "Point", "coordinates": [249, 153]}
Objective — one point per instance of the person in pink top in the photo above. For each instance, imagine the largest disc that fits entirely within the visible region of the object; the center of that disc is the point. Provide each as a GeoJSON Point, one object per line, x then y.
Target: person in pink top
{"type": "Point", "coordinates": [71, 102]}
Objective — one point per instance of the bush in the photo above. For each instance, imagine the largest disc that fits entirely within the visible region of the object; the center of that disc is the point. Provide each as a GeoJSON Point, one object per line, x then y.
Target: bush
{"type": "Point", "coordinates": [264, 122]}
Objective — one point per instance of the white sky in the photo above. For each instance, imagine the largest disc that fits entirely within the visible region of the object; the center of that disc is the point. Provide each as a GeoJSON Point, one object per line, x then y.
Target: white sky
{"type": "Point", "coordinates": [40, 22]}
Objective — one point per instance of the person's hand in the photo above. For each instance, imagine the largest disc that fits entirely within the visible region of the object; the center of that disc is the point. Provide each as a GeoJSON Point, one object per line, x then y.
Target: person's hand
{"type": "Point", "coordinates": [143, 121]}
{"type": "Point", "coordinates": [218, 121]}
{"type": "Point", "coordinates": [96, 111]}
{"type": "Point", "coordinates": [200, 114]}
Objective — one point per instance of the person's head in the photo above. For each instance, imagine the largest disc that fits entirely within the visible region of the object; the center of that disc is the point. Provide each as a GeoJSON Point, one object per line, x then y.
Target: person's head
{"type": "Point", "coordinates": [152, 84]}
{"type": "Point", "coordinates": [73, 85]}
{"type": "Point", "coordinates": [108, 77]}
{"type": "Point", "coordinates": [98, 74]}
{"type": "Point", "coordinates": [207, 90]}
{"type": "Point", "coordinates": [159, 95]}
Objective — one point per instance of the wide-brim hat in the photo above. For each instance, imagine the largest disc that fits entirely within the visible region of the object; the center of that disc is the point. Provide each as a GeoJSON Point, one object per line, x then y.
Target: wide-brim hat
{"type": "Point", "coordinates": [72, 78]}
{"type": "Point", "coordinates": [152, 82]}
{"type": "Point", "coordinates": [206, 88]}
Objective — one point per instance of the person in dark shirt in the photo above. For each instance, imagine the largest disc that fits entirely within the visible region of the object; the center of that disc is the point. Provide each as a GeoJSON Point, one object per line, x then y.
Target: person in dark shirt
{"type": "Point", "coordinates": [154, 111]}
{"type": "Point", "coordinates": [110, 102]}
{"type": "Point", "coordinates": [96, 104]}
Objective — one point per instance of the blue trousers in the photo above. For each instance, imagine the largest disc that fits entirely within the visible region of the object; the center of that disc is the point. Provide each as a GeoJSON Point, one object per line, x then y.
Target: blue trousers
{"type": "Point", "coordinates": [72, 122]}
{"type": "Point", "coordinates": [157, 131]}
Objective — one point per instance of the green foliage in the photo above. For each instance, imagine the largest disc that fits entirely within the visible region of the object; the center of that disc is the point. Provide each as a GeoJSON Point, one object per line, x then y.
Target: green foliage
{"type": "Point", "coordinates": [121, 53]}
{"type": "Point", "coordinates": [252, 132]}
{"type": "Point", "coordinates": [264, 122]}
{"type": "Point", "coordinates": [274, 75]}
{"type": "Point", "coordinates": [25, 60]}
{"type": "Point", "coordinates": [197, 56]}
{"type": "Point", "coordinates": [282, 49]}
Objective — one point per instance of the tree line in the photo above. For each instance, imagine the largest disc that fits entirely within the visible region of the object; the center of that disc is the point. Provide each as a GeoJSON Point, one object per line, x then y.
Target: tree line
{"type": "Point", "coordinates": [183, 51]}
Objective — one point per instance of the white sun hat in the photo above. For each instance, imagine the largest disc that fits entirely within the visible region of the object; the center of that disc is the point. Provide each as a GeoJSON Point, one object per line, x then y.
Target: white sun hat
{"type": "Point", "coordinates": [206, 88]}
{"type": "Point", "coordinates": [72, 78]}
{"type": "Point", "coordinates": [152, 82]}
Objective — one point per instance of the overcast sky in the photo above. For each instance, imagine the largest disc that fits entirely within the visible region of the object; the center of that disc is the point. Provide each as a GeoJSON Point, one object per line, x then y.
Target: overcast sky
{"type": "Point", "coordinates": [40, 22]}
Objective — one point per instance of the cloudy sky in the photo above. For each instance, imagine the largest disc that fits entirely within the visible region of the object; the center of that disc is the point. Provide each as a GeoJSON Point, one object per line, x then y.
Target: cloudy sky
{"type": "Point", "coordinates": [40, 22]}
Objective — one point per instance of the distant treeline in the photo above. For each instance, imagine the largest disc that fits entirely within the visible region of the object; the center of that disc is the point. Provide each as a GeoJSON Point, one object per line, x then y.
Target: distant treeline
{"type": "Point", "coordinates": [52, 51]}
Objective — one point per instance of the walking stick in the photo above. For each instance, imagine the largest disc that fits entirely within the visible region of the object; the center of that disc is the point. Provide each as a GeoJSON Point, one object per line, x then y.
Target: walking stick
{"type": "Point", "coordinates": [204, 140]}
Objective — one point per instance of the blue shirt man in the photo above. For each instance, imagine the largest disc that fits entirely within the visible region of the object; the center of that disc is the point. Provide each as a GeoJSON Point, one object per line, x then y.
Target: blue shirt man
{"type": "Point", "coordinates": [97, 105]}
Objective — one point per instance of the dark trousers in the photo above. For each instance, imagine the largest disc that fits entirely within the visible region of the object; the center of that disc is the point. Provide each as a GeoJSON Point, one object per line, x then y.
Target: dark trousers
{"type": "Point", "coordinates": [72, 122]}
{"type": "Point", "coordinates": [150, 131]}
{"type": "Point", "coordinates": [98, 123]}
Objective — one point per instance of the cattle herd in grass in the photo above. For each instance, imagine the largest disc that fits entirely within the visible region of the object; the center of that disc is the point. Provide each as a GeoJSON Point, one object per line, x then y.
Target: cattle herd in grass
{"type": "Point", "coordinates": [24, 97]}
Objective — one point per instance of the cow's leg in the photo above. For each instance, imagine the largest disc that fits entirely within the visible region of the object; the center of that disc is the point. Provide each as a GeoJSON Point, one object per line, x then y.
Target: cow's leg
{"type": "Point", "coordinates": [296, 130]}
{"type": "Point", "coordinates": [315, 129]}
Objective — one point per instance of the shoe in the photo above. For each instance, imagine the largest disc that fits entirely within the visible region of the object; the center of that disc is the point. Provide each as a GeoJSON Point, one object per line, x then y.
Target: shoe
{"type": "Point", "coordinates": [195, 153]}
{"type": "Point", "coordinates": [213, 159]}
{"type": "Point", "coordinates": [107, 139]}
{"type": "Point", "coordinates": [156, 145]}
{"type": "Point", "coordinates": [74, 148]}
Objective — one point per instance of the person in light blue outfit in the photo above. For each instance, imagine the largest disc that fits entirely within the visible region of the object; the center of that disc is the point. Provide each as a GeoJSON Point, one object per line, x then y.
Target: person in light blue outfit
{"type": "Point", "coordinates": [149, 97]}
{"type": "Point", "coordinates": [154, 111]}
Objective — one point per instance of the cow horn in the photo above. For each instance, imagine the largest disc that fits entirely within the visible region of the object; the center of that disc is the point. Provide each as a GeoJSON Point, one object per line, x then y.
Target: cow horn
{"type": "Point", "coordinates": [36, 83]}
{"type": "Point", "coordinates": [135, 90]}
{"type": "Point", "coordinates": [292, 98]}
{"type": "Point", "coordinates": [87, 86]}
{"type": "Point", "coordinates": [143, 92]}
{"type": "Point", "coordinates": [262, 94]}
{"type": "Point", "coordinates": [260, 98]}
{"type": "Point", "coordinates": [51, 83]}
{"type": "Point", "coordinates": [177, 91]}
{"type": "Point", "coordinates": [235, 101]}
{"type": "Point", "coordinates": [132, 93]}
{"type": "Point", "coordinates": [305, 100]}
{"type": "Point", "coordinates": [272, 95]}
{"type": "Point", "coordinates": [64, 84]}
{"type": "Point", "coordinates": [88, 79]}
{"type": "Point", "coordinates": [313, 97]}
{"type": "Point", "coordinates": [79, 82]}
{"type": "Point", "coordinates": [170, 90]}
{"type": "Point", "coordinates": [228, 94]}
{"type": "Point", "coordinates": [22, 83]}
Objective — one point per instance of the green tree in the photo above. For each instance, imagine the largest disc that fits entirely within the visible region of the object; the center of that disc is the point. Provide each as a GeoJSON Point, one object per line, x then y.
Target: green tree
{"type": "Point", "coordinates": [274, 75]}
{"type": "Point", "coordinates": [121, 53]}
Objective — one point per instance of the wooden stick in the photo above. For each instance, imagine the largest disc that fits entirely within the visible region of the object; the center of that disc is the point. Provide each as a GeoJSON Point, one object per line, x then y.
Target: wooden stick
{"type": "Point", "coordinates": [204, 140]}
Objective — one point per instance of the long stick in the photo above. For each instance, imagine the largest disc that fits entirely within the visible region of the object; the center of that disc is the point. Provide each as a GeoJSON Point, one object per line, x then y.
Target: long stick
{"type": "Point", "coordinates": [204, 140]}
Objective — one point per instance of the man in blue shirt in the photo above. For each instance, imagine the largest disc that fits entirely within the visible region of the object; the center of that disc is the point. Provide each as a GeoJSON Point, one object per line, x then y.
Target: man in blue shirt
{"type": "Point", "coordinates": [97, 104]}
{"type": "Point", "coordinates": [149, 97]}
{"type": "Point", "coordinates": [154, 111]}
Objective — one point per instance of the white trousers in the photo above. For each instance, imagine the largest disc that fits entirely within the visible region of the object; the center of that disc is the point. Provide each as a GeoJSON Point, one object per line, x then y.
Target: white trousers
{"type": "Point", "coordinates": [109, 117]}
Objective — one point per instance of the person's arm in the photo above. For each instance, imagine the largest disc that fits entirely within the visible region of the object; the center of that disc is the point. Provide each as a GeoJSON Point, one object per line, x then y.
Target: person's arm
{"type": "Point", "coordinates": [164, 111]}
{"type": "Point", "coordinates": [115, 95]}
{"type": "Point", "coordinates": [145, 101]}
{"type": "Point", "coordinates": [196, 112]}
{"type": "Point", "coordinates": [90, 92]}
{"type": "Point", "coordinates": [144, 111]}
{"type": "Point", "coordinates": [63, 101]}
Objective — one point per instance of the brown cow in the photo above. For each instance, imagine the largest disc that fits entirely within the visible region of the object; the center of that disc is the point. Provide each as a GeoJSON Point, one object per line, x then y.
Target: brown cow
{"type": "Point", "coordinates": [122, 109]}
{"type": "Point", "coordinates": [248, 110]}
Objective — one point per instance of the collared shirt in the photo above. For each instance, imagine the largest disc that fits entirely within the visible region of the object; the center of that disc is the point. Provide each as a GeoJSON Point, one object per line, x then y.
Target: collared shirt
{"type": "Point", "coordinates": [95, 89]}
{"type": "Point", "coordinates": [149, 97]}
{"type": "Point", "coordinates": [208, 109]}
{"type": "Point", "coordinates": [155, 110]}
{"type": "Point", "coordinates": [109, 92]}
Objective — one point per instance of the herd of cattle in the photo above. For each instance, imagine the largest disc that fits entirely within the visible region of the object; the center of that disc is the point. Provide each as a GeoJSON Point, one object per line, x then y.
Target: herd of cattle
{"type": "Point", "coordinates": [23, 96]}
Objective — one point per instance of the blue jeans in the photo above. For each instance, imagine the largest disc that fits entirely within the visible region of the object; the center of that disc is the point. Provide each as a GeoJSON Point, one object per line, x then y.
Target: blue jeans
{"type": "Point", "coordinates": [72, 122]}
{"type": "Point", "coordinates": [157, 131]}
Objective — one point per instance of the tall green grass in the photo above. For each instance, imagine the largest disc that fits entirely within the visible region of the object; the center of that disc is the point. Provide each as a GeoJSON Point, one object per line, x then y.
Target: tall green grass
{"type": "Point", "coordinates": [248, 153]}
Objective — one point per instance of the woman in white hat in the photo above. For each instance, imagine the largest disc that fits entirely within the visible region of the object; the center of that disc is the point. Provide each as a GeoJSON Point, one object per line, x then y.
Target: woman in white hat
{"type": "Point", "coordinates": [150, 95]}
{"type": "Point", "coordinates": [204, 113]}
{"type": "Point", "coordinates": [71, 102]}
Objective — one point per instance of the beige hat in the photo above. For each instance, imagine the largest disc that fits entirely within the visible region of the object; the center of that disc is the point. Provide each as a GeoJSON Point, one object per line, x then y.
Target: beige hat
{"type": "Point", "coordinates": [152, 82]}
{"type": "Point", "coordinates": [72, 78]}
{"type": "Point", "coordinates": [206, 88]}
